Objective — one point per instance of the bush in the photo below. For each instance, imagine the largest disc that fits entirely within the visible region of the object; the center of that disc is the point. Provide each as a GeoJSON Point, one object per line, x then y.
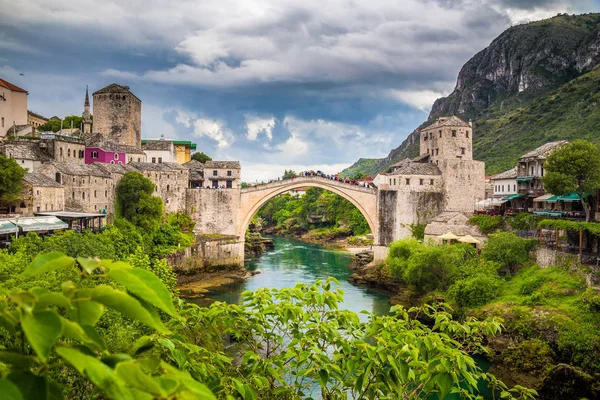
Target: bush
{"type": "Point", "coordinates": [508, 250]}
{"type": "Point", "coordinates": [476, 290]}
{"type": "Point", "coordinates": [532, 284]}
{"type": "Point", "coordinates": [399, 253]}
{"type": "Point", "coordinates": [523, 222]}
{"type": "Point", "coordinates": [487, 223]}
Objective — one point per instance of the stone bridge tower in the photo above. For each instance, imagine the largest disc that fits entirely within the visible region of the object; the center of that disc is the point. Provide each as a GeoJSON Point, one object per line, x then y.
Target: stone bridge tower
{"type": "Point", "coordinates": [118, 115]}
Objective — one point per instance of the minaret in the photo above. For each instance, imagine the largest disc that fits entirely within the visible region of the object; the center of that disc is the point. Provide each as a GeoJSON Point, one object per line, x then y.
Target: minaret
{"type": "Point", "coordinates": [87, 120]}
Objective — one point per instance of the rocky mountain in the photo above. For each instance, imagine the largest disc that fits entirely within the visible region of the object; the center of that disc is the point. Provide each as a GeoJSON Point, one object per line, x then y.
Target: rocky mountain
{"type": "Point", "coordinates": [534, 83]}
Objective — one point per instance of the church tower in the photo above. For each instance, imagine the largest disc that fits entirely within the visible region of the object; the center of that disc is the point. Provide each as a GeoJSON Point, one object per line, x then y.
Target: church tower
{"type": "Point", "coordinates": [87, 119]}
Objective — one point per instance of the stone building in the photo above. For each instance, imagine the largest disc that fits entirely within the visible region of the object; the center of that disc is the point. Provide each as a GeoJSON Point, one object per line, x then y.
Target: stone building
{"type": "Point", "coordinates": [454, 222]}
{"type": "Point", "coordinates": [449, 144]}
{"type": "Point", "coordinates": [41, 193]}
{"type": "Point", "coordinates": [14, 107]}
{"type": "Point", "coordinates": [118, 115]}
{"type": "Point", "coordinates": [171, 180]}
{"type": "Point", "coordinates": [530, 170]}
{"type": "Point", "coordinates": [63, 148]}
{"type": "Point", "coordinates": [88, 188]}
{"type": "Point", "coordinates": [26, 152]}
{"type": "Point", "coordinates": [223, 174]}
{"type": "Point", "coordinates": [159, 151]}
{"type": "Point", "coordinates": [103, 150]}
{"type": "Point", "coordinates": [196, 169]}
{"type": "Point", "coordinates": [35, 120]}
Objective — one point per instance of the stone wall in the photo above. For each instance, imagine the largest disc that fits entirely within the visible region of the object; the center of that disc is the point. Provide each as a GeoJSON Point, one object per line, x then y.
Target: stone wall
{"type": "Point", "coordinates": [65, 150]}
{"type": "Point", "coordinates": [214, 210]}
{"type": "Point", "coordinates": [171, 186]}
{"type": "Point", "coordinates": [387, 200]}
{"type": "Point", "coordinates": [464, 184]}
{"type": "Point", "coordinates": [118, 116]}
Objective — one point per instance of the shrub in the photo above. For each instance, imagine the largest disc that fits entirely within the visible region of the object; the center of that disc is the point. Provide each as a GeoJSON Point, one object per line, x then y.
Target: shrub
{"type": "Point", "coordinates": [508, 250]}
{"type": "Point", "coordinates": [399, 253]}
{"type": "Point", "coordinates": [487, 223]}
{"type": "Point", "coordinates": [476, 290]}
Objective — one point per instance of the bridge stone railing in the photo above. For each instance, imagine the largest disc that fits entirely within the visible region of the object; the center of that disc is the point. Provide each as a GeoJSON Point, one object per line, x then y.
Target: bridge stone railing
{"type": "Point", "coordinates": [309, 179]}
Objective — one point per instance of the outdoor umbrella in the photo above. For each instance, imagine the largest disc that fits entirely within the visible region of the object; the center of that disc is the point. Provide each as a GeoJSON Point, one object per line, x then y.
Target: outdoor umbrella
{"type": "Point", "coordinates": [469, 239]}
{"type": "Point", "coordinates": [448, 236]}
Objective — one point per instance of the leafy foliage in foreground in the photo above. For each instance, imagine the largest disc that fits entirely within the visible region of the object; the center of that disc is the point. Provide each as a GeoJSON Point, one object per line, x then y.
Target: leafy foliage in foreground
{"type": "Point", "coordinates": [292, 342]}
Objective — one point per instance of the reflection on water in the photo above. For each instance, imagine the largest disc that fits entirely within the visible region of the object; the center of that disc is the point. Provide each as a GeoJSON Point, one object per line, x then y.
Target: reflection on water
{"type": "Point", "coordinates": [293, 261]}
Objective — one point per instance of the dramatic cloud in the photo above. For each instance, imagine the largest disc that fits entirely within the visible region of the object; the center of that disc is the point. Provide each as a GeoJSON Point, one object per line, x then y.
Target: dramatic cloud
{"type": "Point", "coordinates": [268, 82]}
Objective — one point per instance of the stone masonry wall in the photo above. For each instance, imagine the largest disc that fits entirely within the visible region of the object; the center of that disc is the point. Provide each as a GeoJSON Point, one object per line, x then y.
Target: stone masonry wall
{"type": "Point", "coordinates": [118, 116]}
{"type": "Point", "coordinates": [214, 210]}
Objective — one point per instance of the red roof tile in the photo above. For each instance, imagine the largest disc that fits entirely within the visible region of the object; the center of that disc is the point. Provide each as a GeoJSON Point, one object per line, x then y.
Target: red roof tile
{"type": "Point", "coordinates": [10, 86]}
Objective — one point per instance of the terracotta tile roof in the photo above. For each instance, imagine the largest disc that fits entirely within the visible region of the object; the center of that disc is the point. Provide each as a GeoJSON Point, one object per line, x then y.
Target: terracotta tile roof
{"type": "Point", "coordinates": [11, 86]}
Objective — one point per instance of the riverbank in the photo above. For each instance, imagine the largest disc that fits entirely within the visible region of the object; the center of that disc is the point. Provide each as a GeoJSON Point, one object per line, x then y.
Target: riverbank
{"type": "Point", "coordinates": [200, 285]}
{"type": "Point", "coordinates": [328, 238]}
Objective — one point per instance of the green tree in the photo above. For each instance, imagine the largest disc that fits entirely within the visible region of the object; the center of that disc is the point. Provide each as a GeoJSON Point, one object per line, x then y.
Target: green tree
{"type": "Point", "coordinates": [288, 174]}
{"type": "Point", "coordinates": [201, 157]}
{"type": "Point", "coordinates": [11, 179]}
{"type": "Point", "coordinates": [54, 125]}
{"type": "Point", "coordinates": [508, 250]}
{"type": "Point", "coordinates": [575, 168]}
{"type": "Point", "coordinates": [136, 203]}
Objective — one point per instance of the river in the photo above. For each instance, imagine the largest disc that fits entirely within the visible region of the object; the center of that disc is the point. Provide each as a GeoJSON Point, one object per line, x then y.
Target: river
{"type": "Point", "coordinates": [294, 261]}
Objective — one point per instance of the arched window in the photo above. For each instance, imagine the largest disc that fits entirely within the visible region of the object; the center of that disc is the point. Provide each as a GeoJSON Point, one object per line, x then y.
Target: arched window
{"type": "Point", "coordinates": [168, 187]}
{"type": "Point", "coordinates": [94, 154]}
{"type": "Point", "coordinates": [116, 156]}
{"type": "Point", "coordinates": [112, 161]}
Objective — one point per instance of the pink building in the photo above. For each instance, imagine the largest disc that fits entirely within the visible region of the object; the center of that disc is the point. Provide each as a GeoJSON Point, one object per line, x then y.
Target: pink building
{"type": "Point", "coordinates": [97, 154]}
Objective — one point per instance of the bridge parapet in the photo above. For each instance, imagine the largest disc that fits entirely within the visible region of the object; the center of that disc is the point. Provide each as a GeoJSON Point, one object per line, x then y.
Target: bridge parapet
{"type": "Point", "coordinates": [308, 180]}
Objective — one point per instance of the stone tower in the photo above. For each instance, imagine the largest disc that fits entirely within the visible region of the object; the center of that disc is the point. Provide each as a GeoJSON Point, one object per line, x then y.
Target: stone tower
{"type": "Point", "coordinates": [118, 115]}
{"type": "Point", "coordinates": [87, 119]}
{"type": "Point", "coordinates": [449, 144]}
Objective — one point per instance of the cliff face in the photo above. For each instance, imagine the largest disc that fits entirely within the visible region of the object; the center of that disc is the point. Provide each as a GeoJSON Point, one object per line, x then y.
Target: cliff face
{"type": "Point", "coordinates": [528, 59]}
{"type": "Point", "coordinates": [501, 86]}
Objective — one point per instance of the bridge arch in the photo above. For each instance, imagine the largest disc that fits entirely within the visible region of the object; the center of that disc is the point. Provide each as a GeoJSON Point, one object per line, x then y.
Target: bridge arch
{"type": "Point", "coordinates": [364, 199]}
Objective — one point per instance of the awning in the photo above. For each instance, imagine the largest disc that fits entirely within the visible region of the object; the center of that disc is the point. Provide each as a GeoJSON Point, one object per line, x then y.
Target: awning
{"type": "Point", "coordinates": [570, 198]}
{"type": "Point", "coordinates": [513, 196]}
{"type": "Point", "coordinates": [542, 198]}
{"type": "Point", "coordinates": [469, 239]}
{"type": "Point", "coordinates": [490, 202]}
{"type": "Point", "coordinates": [32, 224]}
{"type": "Point", "coordinates": [552, 199]}
{"type": "Point", "coordinates": [7, 227]}
{"type": "Point", "coordinates": [525, 178]}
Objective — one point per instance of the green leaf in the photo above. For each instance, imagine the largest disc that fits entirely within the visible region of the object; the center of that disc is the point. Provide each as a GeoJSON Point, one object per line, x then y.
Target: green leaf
{"type": "Point", "coordinates": [89, 265]}
{"type": "Point", "coordinates": [444, 382]}
{"type": "Point", "coordinates": [97, 372]}
{"type": "Point", "coordinates": [86, 312]}
{"type": "Point", "coordinates": [131, 373]}
{"type": "Point", "coordinates": [41, 328]}
{"type": "Point", "coordinates": [112, 360]}
{"type": "Point", "coordinates": [127, 305]}
{"type": "Point", "coordinates": [16, 359]}
{"type": "Point", "coordinates": [46, 300]}
{"type": "Point", "coordinates": [47, 262]}
{"type": "Point", "coordinates": [323, 377]}
{"type": "Point", "coordinates": [9, 390]}
{"type": "Point", "coordinates": [142, 345]}
{"type": "Point", "coordinates": [32, 387]}
{"type": "Point", "coordinates": [144, 284]}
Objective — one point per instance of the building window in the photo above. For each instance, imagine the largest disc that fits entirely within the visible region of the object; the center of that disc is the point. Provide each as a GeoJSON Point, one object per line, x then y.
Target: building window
{"type": "Point", "coordinates": [425, 137]}
{"type": "Point", "coordinates": [112, 161]}
{"type": "Point", "coordinates": [37, 208]}
{"type": "Point", "coordinates": [73, 179]}
{"type": "Point", "coordinates": [390, 181]}
{"type": "Point", "coordinates": [437, 152]}
{"type": "Point", "coordinates": [421, 182]}
{"type": "Point", "coordinates": [106, 193]}
{"type": "Point", "coordinates": [153, 160]}
{"type": "Point", "coordinates": [462, 151]}
{"type": "Point", "coordinates": [61, 153]}
{"type": "Point", "coordinates": [531, 170]}
{"type": "Point", "coordinates": [69, 153]}
{"type": "Point", "coordinates": [514, 188]}
{"type": "Point", "coordinates": [160, 160]}
{"type": "Point", "coordinates": [215, 184]}
{"type": "Point", "coordinates": [453, 132]}
{"type": "Point", "coordinates": [228, 173]}
{"type": "Point", "coordinates": [3, 127]}
{"type": "Point", "coordinates": [58, 177]}
{"type": "Point", "coordinates": [139, 159]}
{"type": "Point", "coordinates": [215, 173]}
{"type": "Point", "coordinates": [229, 184]}
{"type": "Point", "coordinates": [168, 187]}
{"type": "Point", "coordinates": [407, 181]}
{"type": "Point", "coordinates": [427, 151]}
{"type": "Point", "coordinates": [431, 181]}
{"type": "Point", "coordinates": [467, 133]}
{"type": "Point", "coordinates": [83, 195]}
{"type": "Point", "coordinates": [37, 192]}
{"type": "Point", "coordinates": [73, 195]}
{"type": "Point", "coordinates": [95, 196]}
{"type": "Point", "coordinates": [394, 181]}
{"type": "Point", "coordinates": [94, 154]}
{"type": "Point", "coordinates": [116, 156]}
{"type": "Point", "coordinates": [440, 133]}
{"type": "Point", "coordinates": [503, 188]}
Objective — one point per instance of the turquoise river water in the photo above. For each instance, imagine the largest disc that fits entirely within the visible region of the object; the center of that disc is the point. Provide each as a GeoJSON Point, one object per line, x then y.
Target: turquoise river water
{"type": "Point", "coordinates": [294, 261]}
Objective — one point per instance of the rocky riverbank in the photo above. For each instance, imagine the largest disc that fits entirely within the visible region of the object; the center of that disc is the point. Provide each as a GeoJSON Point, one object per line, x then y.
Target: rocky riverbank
{"type": "Point", "coordinates": [199, 285]}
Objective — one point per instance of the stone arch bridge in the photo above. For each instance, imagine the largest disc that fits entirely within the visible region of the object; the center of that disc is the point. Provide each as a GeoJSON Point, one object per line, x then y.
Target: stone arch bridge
{"type": "Point", "coordinates": [254, 197]}
{"type": "Point", "coordinates": [222, 215]}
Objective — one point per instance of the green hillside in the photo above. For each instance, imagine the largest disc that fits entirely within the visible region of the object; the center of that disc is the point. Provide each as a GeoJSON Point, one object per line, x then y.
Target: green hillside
{"type": "Point", "coordinates": [365, 165]}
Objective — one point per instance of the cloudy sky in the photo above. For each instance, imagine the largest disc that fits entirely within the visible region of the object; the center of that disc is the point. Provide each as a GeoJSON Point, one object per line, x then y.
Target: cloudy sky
{"type": "Point", "coordinates": [273, 83]}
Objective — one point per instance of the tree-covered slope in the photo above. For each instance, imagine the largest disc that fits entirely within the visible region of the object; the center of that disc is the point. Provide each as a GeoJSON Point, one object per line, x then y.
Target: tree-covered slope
{"type": "Point", "coordinates": [534, 83]}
